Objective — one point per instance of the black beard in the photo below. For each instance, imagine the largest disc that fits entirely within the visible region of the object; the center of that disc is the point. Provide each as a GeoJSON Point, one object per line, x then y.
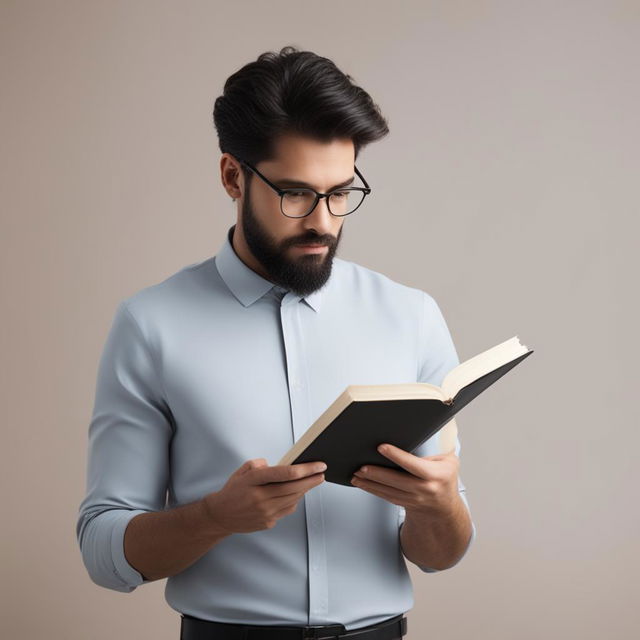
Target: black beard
{"type": "Point", "coordinates": [303, 275]}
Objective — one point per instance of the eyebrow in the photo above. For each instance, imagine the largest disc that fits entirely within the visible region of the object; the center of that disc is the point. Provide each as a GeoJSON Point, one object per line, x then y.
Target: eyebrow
{"type": "Point", "coordinates": [286, 182]}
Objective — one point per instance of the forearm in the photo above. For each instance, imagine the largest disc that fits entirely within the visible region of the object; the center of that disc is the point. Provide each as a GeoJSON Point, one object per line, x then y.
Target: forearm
{"type": "Point", "coordinates": [436, 541]}
{"type": "Point", "coordinates": [164, 543]}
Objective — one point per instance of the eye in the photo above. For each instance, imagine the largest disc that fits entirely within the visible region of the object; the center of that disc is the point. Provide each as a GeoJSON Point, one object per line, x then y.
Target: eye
{"type": "Point", "coordinates": [298, 194]}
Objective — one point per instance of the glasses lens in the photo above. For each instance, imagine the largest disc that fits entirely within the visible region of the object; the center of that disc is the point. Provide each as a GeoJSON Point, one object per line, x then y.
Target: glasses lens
{"type": "Point", "coordinates": [298, 203]}
{"type": "Point", "coordinates": [343, 202]}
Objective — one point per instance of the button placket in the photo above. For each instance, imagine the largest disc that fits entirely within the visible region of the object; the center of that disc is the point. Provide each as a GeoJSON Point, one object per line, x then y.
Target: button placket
{"type": "Point", "coordinates": [292, 316]}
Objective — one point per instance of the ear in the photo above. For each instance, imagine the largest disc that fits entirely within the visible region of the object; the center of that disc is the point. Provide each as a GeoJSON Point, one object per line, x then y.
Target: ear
{"type": "Point", "coordinates": [231, 176]}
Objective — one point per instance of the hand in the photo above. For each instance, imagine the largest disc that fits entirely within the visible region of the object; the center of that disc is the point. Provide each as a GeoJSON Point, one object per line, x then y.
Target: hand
{"type": "Point", "coordinates": [428, 485]}
{"type": "Point", "coordinates": [256, 495]}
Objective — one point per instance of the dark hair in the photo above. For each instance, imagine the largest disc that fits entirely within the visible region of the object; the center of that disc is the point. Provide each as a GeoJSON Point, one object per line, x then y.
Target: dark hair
{"type": "Point", "coordinates": [292, 92]}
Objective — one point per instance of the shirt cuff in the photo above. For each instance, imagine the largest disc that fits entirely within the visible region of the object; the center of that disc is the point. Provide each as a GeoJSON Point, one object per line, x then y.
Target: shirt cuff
{"type": "Point", "coordinates": [101, 539]}
{"type": "Point", "coordinates": [127, 574]}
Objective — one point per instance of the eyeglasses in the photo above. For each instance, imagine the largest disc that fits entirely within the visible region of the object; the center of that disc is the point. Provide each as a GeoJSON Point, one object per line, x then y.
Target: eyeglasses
{"type": "Point", "coordinates": [300, 202]}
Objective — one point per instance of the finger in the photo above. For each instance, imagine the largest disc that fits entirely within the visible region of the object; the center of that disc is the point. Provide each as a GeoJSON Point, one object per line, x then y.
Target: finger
{"type": "Point", "coordinates": [287, 508]}
{"type": "Point", "coordinates": [293, 487]}
{"type": "Point", "coordinates": [395, 496]}
{"type": "Point", "coordinates": [397, 479]}
{"type": "Point", "coordinates": [286, 473]}
{"type": "Point", "coordinates": [420, 467]}
{"type": "Point", "coordinates": [441, 456]}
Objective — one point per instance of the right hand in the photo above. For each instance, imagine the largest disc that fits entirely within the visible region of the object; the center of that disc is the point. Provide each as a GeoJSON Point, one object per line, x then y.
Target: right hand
{"type": "Point", "coordinates": [256, 495]}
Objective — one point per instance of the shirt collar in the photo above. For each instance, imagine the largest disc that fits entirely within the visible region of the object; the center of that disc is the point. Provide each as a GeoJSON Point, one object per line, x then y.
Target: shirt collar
{"type": "Point", "coordinates": [247, 286]}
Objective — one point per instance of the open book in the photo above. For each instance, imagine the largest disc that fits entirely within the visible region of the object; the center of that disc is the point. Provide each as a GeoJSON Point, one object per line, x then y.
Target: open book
{"type": "Point", "coordinates": [347, 434]}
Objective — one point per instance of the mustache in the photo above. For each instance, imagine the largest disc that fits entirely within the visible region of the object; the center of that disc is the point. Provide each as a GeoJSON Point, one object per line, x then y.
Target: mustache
{"type": "Point", "coordinates": [317, 240]}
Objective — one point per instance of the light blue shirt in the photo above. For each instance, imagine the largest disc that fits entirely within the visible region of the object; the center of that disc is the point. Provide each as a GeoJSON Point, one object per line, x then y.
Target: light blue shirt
{"type": "Point", "coordinates": [214, 366]}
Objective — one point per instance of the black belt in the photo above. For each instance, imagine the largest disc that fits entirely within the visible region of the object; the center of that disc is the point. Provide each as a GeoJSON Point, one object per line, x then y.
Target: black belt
{"type": "Point", "coordinates": [195, 629]}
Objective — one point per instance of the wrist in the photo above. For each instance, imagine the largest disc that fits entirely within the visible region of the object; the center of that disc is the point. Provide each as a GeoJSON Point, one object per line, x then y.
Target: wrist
{"type": "Point", "coordinates": [212, 522]}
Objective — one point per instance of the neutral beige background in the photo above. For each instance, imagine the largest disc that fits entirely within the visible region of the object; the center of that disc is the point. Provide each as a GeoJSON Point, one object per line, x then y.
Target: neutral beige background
{"type": "Point", "coordinates": [507, 189]}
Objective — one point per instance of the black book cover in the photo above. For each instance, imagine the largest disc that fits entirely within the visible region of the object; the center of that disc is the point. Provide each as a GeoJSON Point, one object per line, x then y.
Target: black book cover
{"type": "Point", "coordinates": [351, 440]}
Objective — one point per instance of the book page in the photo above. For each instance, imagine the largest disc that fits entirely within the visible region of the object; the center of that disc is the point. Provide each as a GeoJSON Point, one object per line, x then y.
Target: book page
{"type": "Point", "coordinates": [473, 368]}
{"type": "Point", "coordinates": [447, 437]}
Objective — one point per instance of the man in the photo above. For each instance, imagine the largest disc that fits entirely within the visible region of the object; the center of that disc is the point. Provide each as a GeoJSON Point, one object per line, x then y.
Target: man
{"type": "Point", "coordinates": [210, 376]}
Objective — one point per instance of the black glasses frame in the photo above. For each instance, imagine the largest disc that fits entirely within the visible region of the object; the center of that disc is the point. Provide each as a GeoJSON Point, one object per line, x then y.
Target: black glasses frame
{"type": "Point", "coordinates": [366, 190]}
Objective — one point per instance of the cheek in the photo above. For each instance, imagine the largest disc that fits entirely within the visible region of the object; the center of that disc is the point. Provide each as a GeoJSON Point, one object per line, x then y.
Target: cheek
{"type": "Point", "coordinates": [277, 226]}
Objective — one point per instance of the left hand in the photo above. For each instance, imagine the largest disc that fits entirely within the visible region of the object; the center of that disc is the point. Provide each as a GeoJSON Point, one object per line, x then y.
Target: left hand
{"type": "Point", "coordinates": [429, 485]}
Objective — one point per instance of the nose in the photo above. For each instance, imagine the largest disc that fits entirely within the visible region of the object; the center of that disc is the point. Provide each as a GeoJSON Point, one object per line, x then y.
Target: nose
{"type": "Point", "coordinates": [320, 218]}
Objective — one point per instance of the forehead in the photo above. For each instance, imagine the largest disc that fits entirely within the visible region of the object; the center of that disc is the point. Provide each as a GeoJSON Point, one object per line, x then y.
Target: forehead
{"type": "Point", "coordinates": [309, 159]}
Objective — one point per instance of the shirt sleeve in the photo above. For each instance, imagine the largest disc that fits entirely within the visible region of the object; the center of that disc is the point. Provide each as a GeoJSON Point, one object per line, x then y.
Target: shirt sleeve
{"type": "Point", "coordinates": [437, 356]}
{"type": "Point", "coordinates": [128, 449]}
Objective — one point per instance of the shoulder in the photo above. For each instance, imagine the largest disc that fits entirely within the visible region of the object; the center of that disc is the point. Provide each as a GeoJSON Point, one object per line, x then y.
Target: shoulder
{"type": "Point", "coordinates": [356, 279]}
{"type": "Point", "coordinates": [174, 293]}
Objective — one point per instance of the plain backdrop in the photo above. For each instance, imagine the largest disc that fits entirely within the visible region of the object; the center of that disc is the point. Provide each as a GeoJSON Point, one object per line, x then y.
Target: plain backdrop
{"type": "Point", "coordinates": [507, 189]}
